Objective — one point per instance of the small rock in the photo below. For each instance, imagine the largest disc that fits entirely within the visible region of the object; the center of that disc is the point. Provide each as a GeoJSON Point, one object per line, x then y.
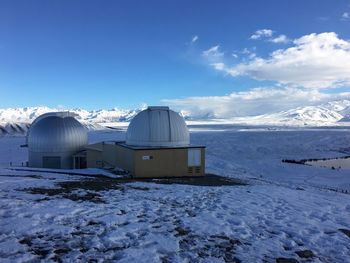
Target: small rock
{"type": "Point", "coordinates": [181, 231]}
{"type": "Point", "coordinates": [26, 241]}
{"type": "Point", "coordinates": [286, 260]}
{"type": "Point", "coordinates": [62, 250]}
{"type": "Point", "coordinates": [305, 253]}
{"type": "Point", "coordinates": [220, 236]}
{"type": "Point", "coordinates": [90, 223]}
{"type": "Point", "coordinates": [345, 231]}
{"type": "Point", "coordinates": [330, 232]}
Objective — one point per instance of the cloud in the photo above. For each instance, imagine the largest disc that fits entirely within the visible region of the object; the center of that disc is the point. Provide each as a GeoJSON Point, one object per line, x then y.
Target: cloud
{"type": "Point", "coordinates": [315, 61]}
{"type": "Point", "coordinates": [345, 16]}
{"type": "Point", "coordinates": [283, 39]}
{"type": "Point", "coordinates": [194, 39]}
{"type": "Point", "coordinates": [253, 102]}
{"type": "Point", "coordinates": [267, 34]}
{"type": "Point", "coordinates": [261, 33]}
{"type": "Point", "coordinates": [249, 53]}
{"type": "Point", "coordinates": [219, 66]}
{"type": "Point", "coordinates": [213, 53]}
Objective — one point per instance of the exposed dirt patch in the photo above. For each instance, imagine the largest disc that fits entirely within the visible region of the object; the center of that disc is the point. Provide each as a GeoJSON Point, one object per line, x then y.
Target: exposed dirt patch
{"type": "Point", "coordinates": [304, 161]}
{"type": "Point", "coordinates": [67, 193]}
{"type": "Point", "coordinates": [217, 246]}
{"type": "Point", "coordinates": [207, 180]}
{"type": "Point", "coordinates": [95, 184]}
{"type": "Point", "coordinates": [70, 189]}
{"type": "Point", "coordinates": [104, 183]}
{"type": "Point", "coordinates": [37, 245]}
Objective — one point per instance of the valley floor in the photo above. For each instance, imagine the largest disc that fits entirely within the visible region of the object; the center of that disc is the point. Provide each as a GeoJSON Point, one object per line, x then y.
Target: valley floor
{"type": "Point", "coordinates": [284, 211]}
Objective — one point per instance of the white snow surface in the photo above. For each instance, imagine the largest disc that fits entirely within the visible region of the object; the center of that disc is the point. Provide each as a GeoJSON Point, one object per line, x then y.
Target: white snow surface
{"type": "Point", "coordinates": [284, 208]}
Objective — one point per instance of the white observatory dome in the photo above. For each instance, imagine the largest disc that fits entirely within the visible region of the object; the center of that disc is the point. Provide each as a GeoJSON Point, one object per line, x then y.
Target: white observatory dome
{"type": "Point", "coordinates": [53, 138]}
{"type": "Point", "coordinates": [158, 127]}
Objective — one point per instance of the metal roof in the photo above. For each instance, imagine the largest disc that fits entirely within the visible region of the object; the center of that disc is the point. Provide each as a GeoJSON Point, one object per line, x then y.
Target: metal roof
{"type": "Point", "coordinates": [56, 132]}
{"type": "Point", "coordinates": [158, 127]}
{"type": "Point", "coordinates": [61, 114]}
{"type": "Point", "coordinates": [190, 146]}
{"type": "Point", "coordinates": [95, 147]}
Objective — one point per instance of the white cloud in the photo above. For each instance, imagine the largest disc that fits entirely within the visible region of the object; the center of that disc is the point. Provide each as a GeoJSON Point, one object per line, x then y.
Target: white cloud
{"type": "Point", "coordinates": [213, 53]}
{"type": "Point", "coordinates": [345, 16]}
{"type": "Point", "coordinates": [194, 38]}
{"type": "Point", "coordinates": [246, 51]}
{"type": "Point", "coordinates": [280, 39]}
{"type": "Point", "coordinates": [315, 61]}
{"type": "Point", "coordinates": [250, 54]}
{"type": "Point", "coordinates": [218, 66]}
{"type": "Point", "coordinates": [267, 34]}
{"type": "Point", "coordinates": [262, 33]}
{"type": "Point", "coordinates": [254, 102]}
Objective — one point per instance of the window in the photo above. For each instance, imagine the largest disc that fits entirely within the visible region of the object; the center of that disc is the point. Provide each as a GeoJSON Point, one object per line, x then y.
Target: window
{"type": "Point", "coordinates": [194, 157]}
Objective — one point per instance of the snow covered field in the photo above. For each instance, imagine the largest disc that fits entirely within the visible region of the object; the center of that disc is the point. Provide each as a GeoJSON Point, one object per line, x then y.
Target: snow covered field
{"type": "Point", "coordinates": [285, 211]}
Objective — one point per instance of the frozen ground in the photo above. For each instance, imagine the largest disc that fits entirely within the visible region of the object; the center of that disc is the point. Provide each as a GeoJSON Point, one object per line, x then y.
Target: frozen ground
{"type": "Point", "coordinates": [286, 210]}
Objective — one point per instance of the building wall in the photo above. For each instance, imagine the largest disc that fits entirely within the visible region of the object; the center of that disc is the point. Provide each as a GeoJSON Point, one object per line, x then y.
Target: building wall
{"type": "Point", "coordinates": [166, 163]}
{"type": "Point", "coordinates": [94, 159]}
{"type": "Point", "coordinates": [125, 158]}
{"type": "Point", "coordinates": [35, 159]}
{"type": "Point", "coordinates": [172, 162]}
{"type": "Point", "coordinates": [109, 154]}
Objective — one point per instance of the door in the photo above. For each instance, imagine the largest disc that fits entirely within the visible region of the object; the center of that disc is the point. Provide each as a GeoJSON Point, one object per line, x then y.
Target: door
{"type": "Point", "coordinates": [79, 162]}
{"type": "Point", "coordinates": [194, 157]}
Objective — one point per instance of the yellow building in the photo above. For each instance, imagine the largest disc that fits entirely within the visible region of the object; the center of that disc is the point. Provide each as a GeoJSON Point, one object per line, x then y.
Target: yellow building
{"type": "Point", "coordinates": [157, 145]}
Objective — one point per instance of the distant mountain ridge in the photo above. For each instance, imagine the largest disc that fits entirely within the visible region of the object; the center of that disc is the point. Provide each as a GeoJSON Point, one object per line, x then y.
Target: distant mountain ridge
{"type": "Point", "coordinates": [28, 114]}
{"type": "Point", "coordinates": [334, 113]}
{"type": "Point", "coordinates": [18, 120]}
{"type": "Point", "coordinates": [301, 116]}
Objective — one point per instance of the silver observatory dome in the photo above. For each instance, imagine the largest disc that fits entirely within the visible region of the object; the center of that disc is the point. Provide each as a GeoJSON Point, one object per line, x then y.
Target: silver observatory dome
{"type": "Point", "coordinates": [53, 138]}
{"type": "Point", "coordinates": [158, 127]}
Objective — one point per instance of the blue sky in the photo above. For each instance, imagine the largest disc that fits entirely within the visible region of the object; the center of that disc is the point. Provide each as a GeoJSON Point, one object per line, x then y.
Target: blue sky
{"type": "Point", "coordinates": [105, 54]}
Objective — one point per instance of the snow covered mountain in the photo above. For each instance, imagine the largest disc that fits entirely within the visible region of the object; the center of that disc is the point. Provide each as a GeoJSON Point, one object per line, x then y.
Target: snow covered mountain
{"type": "Point", "coordinates": [27, 115]}
{"type": "Point", "coordinates": [310, 115]}
{"type": "Point", "coordinates": [17, 120]}
{"type": "Point", "coordinates": [333, 113]}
